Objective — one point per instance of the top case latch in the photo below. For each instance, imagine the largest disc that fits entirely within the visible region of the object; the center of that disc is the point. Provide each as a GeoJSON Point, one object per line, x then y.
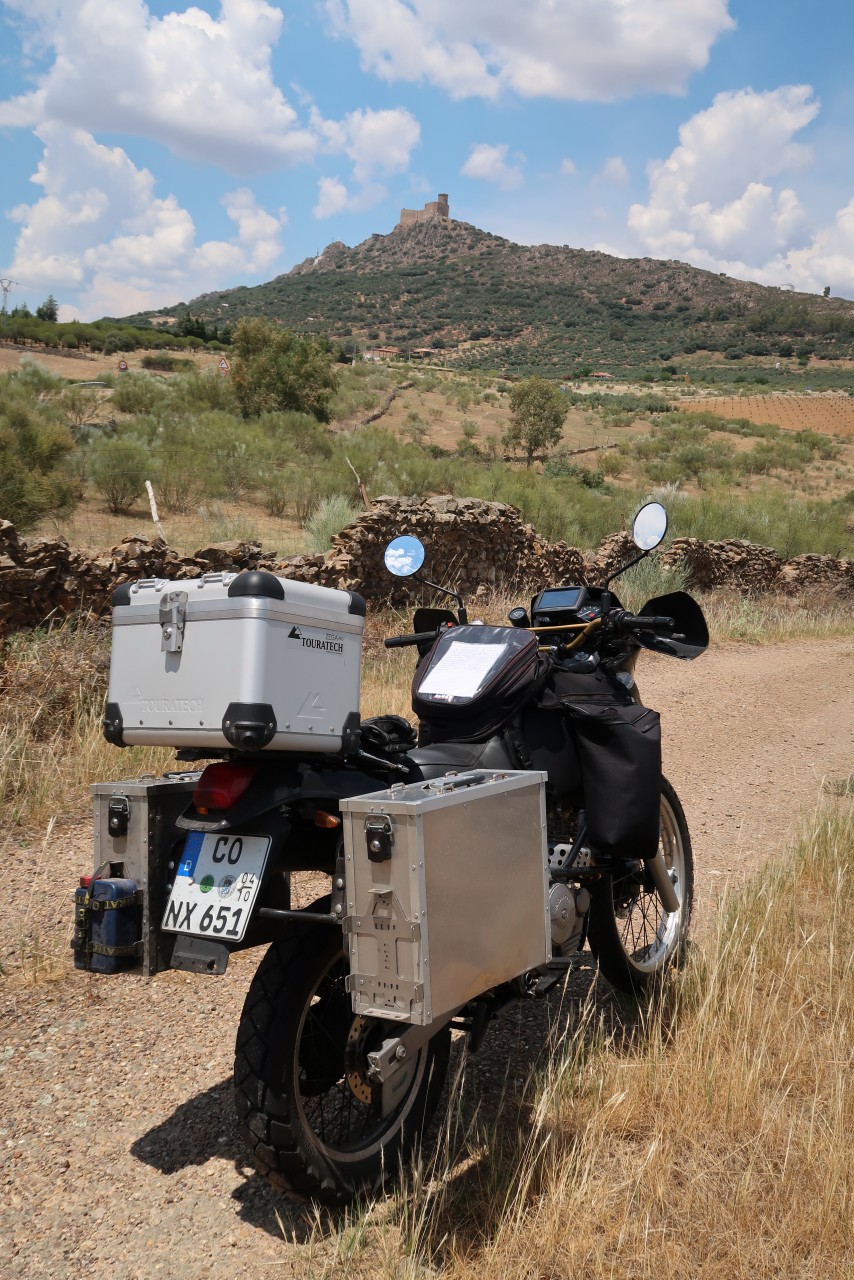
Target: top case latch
{"type": "Point", "coordinates": [173, 616]}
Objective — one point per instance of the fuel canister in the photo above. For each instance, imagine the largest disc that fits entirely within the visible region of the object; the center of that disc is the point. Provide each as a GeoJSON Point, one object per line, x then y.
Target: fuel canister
{"type": "Point", "coordinates": [107, 925]}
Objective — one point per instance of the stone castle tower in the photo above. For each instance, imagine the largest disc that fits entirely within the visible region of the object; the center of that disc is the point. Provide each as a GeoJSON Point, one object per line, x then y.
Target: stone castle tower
{"type": "Point", "coordinates": [435, 209]}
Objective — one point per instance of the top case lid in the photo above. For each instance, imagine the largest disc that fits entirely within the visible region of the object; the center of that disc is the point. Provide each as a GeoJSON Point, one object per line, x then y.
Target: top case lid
{"type": "Point", "coordinates": [251, 584]}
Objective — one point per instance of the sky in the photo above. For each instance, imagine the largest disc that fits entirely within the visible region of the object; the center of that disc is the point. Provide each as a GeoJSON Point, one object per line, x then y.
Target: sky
{"type": "Point", "coordinates": [150, 152]}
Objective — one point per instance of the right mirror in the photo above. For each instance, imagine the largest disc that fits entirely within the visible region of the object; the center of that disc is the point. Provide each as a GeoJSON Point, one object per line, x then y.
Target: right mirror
{"type": "Point", "coordinates": [650, 526]}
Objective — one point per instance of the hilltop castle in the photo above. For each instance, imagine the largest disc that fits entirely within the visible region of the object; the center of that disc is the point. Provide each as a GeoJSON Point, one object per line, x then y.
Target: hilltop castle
{"type": "Point", "coordinates": [435, 209]}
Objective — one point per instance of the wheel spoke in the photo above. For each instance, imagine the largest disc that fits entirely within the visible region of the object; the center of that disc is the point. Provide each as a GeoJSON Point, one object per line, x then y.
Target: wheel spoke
{"type": "Point", "coordinates": [339, 1118]}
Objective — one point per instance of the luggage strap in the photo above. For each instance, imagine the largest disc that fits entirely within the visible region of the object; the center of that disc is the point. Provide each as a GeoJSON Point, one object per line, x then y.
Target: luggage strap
{"type": "Point", "coordinates": [103, 904]}
{"type": "Point", "coordinates": [89, 948]}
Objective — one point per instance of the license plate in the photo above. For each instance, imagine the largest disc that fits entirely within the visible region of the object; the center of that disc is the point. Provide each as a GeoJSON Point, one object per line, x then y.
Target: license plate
{"type": "Point", "coordinates": [216, 884]}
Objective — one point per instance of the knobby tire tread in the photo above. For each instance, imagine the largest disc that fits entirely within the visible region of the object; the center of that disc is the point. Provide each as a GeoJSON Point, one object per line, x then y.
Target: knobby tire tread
{"type": "Point", "coordinates": [278, 1151]}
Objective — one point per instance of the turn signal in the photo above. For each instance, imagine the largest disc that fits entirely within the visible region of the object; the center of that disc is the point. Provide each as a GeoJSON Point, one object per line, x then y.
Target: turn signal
{"type": "Point", "coordinates": [327, 820]}
{"type": "Point", "coordinates": [221, 785]}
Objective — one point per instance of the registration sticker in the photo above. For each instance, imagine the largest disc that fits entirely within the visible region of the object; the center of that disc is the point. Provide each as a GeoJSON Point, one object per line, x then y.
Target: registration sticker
{"type": "Point", "coordinates": [216, 885]}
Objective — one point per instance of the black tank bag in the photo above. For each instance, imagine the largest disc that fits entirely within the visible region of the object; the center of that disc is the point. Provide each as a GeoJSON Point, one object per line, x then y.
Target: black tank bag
{"type": "Point", "coordinates": [473, 680]}
{"type": "Point", "coordinates": [618, 742]}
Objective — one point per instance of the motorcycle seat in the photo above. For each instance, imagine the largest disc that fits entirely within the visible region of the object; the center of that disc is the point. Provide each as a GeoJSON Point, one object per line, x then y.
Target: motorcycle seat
{"type": "Point", "coordinates": [440, 757]}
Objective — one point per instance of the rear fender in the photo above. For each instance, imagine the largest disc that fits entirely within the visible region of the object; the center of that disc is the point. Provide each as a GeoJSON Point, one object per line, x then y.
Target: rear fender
{"type": "Point", "coordinates": [278, 791]}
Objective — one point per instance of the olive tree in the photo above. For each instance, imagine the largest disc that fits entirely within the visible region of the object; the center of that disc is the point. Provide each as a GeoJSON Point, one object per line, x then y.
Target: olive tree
{"type": "Point", "coordinates": [276, 369]}
{"type": "Point", "coordinates": [537, 413]}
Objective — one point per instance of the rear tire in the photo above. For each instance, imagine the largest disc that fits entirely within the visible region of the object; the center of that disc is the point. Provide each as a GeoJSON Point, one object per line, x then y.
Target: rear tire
{"type": "Point", "coordinates": [632, 936]}
{"type": "Point", "coordinates": [309, 1113]}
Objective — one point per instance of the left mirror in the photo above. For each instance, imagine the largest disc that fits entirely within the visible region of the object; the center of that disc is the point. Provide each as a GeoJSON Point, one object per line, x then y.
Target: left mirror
{"type": "Point", "coordinates": [650, 526]}
{"type": "Point", "coordinates": [404, 556]}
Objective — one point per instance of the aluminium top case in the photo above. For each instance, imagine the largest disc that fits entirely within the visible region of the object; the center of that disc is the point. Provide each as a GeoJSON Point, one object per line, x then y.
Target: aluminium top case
{"type": "Point", "coordinates": [245, 661]}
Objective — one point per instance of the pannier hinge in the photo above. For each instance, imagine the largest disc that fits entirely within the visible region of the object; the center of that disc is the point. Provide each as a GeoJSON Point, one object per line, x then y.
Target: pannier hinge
{"type": "Point", "coordinates": [173, 615]}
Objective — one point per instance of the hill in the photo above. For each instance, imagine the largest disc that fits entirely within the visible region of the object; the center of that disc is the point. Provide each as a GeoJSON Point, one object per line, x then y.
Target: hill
{"type": "Point", "coordinates": [484, 302]}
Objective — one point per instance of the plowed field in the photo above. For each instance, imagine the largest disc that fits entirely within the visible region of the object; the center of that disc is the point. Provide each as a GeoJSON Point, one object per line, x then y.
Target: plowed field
{"type": "Point", "coordinates": [832, 414]}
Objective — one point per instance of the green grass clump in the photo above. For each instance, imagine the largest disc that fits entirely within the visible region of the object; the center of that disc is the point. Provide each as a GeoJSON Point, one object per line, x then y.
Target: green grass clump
{"type": "Point", "coordinates": [329, 518]}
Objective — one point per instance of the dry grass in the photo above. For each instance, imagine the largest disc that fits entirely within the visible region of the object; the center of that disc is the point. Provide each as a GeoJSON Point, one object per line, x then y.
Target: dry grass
{"type": "Point", "coordinates": [52, 688]}
{"type": "Point", "coordinates": [772, 618]}
{"type": "Point", "coordinates": [710, 1140]}
{"type": "Point", "coordinates": [92, 528]}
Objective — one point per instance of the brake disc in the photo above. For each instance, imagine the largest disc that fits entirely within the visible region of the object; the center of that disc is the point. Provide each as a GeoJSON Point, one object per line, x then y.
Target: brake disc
{"type": "Point", "coordinates": [357, 1057]}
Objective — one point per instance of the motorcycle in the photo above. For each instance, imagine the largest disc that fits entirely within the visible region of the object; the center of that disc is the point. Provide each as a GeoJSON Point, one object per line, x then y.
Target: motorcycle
{"type": "Point", "coordinates": [331, 1101]}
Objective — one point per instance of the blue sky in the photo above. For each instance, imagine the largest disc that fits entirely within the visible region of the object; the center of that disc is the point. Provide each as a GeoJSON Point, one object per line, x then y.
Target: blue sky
{"type": "Point", "coordinates": [155, 151]}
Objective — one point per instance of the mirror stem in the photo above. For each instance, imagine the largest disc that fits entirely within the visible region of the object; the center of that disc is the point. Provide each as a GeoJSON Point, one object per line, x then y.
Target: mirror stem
{"type": "Point", "coordinates": [623, 568]}
{"type": "Point", "coordinates": [462, 615]}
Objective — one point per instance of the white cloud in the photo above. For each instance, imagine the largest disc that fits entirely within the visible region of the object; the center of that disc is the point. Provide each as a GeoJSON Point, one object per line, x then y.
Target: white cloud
{"type": "Point", "coordinates": [100, 231]}
{"type": "Point", "coordinates": [614, 170]}
{"type": "Point", "coordinates": [375, 141]}
{"type": "Point", "coordinates": [568, 166]}
{"type": "Point", "coordinates": [490, 164]}
{"type": "Point", "coordinates": [588, 50]}
{"type": "Point", "coordinates": [714, 201]}
{"type": "Point", "coordinates": [827, 260]}
{"type": "Point", "coordinates": [202, 86]}
{"type": "Point", "coordinates": [711, 197]}
{"type": "Point", "coordinates": [380, 141]}
{"type": "Point", "coordinates": [332, 197]}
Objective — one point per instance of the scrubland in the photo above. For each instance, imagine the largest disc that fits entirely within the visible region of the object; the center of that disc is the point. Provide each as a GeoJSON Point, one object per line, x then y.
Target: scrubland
{"type": "Point", "coordinates": [706, 1134]}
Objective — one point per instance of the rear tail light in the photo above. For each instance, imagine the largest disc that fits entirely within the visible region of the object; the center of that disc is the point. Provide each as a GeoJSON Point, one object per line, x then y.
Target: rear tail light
{"type": "Point", "coordinates": [221, 785]}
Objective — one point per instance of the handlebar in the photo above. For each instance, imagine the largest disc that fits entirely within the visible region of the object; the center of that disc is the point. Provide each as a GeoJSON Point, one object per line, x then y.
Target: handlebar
{"type": "Point", "coordinates": [628, 622]}
{"type": "Point", "coordinates": [619, 620]}
{"type": "Point", "coordinates": [420, 637]}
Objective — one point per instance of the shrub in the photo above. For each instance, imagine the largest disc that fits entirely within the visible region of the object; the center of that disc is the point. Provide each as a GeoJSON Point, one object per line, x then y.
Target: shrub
{"type": "Point", "coordinates": [563, 467]}
{"type": "Point", "coordinates": [137, 393]}
{"type": "Point", "coordinates": [275, 368]}
{"type": "Point", "coordinates": [34, 447]}
{"type": "Point", "coordinates": [166, 364]}
{"type": "Point", "coordinates": [330, 517]}
{"type": "Point", "coordinates": [274, 493]}
{"type": "Point", "coordinates": [119, 469]}
{"type": "Point", "coordinates": [178, 480]}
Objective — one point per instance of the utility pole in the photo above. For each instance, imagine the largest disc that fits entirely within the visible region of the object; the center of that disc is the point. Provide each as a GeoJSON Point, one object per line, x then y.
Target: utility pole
{"type": "Point", "coordinates": [6, 286]}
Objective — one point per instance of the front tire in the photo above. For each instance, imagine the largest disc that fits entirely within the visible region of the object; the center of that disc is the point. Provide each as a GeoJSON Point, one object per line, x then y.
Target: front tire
{"type": "Point", "coordinates": [308, 1110]}
{"type": "Point", "coordinates": [632, 936]}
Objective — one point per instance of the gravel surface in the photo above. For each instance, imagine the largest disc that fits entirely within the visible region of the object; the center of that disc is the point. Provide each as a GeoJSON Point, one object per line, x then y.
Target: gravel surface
{"type": "Point", "coordinates": [119, 1153]}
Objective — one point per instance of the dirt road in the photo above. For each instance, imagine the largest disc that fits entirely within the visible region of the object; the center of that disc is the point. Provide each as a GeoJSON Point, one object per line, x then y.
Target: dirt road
{"type": "Point", "coordinates": [119, 1152]}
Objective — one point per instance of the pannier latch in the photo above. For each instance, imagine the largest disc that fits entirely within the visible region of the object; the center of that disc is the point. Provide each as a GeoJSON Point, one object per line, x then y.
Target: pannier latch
{"type": "Point", "coordinates": [173, 615]}
{"type": "Point", "coordinates": [118, 816]}
{"type": "Point", "coordinates": [379, 837]}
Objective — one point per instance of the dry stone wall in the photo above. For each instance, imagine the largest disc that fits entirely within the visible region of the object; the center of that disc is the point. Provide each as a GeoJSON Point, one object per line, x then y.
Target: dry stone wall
{"type": "Point", "coordinates": [473, 545]}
